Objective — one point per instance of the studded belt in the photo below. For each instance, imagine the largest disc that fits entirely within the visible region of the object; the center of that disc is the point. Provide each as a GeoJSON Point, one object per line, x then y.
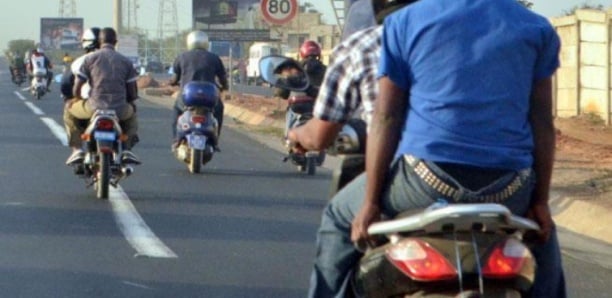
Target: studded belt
{"type": "Point", "coordinates": [449, 191]}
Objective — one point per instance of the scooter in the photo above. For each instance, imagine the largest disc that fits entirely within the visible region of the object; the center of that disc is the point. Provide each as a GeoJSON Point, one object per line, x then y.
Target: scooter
{"type": "Point", "coordinates": [38, 86]}
{"type": "Point", "coordinates": [299, 108]}
{"type": "Point", "coordinates": [197, 128]}
{"type": "Point", "coordinates": [102, 165]}
{"type": "Point", "coordinates": [456, 250]}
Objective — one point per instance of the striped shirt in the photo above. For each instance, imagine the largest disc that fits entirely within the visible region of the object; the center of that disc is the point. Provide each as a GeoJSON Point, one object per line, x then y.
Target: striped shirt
{"type": "Point", "coordinates": [350, 85]}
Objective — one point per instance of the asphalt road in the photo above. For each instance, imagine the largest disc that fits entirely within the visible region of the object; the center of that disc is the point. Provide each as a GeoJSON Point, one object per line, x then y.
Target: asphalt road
{"type": "Point", "coordinates": [245, 227]}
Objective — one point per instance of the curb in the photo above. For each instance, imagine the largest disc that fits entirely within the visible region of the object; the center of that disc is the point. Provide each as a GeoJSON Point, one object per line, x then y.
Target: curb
{"type": "Point", "coordinates": [588, 217]}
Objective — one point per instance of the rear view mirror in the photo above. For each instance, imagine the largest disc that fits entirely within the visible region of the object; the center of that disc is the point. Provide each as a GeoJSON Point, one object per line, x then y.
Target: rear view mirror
{"type": "Point", "coordinates": [283, 72]}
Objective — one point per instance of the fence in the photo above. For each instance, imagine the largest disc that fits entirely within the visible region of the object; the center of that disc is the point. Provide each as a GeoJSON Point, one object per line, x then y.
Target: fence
{"type": "Point", "coordinates": [582, 83]}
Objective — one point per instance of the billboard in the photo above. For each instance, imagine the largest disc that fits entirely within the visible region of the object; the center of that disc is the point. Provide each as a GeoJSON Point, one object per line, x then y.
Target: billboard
{"type": "Point", "coordinates": [61, 33]}
{"type": "Point", "coordinates": [231, 20]}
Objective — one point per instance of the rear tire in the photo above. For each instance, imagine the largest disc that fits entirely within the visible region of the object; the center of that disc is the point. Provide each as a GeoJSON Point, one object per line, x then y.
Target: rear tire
{"type": "Point", "coordinates": [311, 165]}
{"type": "Point", "coordinates": [195, 161]}
{"type": "Point", "coordinates": [103, 176]}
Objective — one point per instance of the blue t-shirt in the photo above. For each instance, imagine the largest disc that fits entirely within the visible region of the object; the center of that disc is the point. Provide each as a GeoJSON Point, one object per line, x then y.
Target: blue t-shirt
{"type": "Point", "coordinates": [469, 67]}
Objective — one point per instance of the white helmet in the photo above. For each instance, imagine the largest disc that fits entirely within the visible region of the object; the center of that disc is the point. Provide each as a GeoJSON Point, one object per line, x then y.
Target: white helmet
{"type": "Point", "coordinates": [40, 50]}
{"type": "Point", "coordinates": [197, 40]}
{"type": "Point", "coordinates": [90, 40]}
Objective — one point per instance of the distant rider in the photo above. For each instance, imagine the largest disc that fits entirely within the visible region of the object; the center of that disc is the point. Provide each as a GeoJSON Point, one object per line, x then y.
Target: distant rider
{"type": "Point", "coordinates": [39, 63]}
{"type": "Point", "coordinates": [198, 64]}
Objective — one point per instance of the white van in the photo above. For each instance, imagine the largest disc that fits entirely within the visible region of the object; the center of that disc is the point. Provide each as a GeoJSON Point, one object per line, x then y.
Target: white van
{"type": "Point", "coordinates": [258, 50]}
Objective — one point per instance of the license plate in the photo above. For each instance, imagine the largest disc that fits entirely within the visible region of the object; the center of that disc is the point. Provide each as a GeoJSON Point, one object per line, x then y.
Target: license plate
{"type": "Point", "coordinates": [104, 136]}
{"type": "Point", "coordinates": [196, 141]}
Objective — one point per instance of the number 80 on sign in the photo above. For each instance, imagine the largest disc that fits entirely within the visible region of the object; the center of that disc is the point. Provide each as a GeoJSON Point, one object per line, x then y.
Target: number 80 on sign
{"type": "Point", "coordinates": [278, 12]}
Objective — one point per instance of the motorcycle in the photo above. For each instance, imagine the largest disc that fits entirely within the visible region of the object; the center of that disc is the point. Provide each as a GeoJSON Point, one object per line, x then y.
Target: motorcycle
{"type": "Point", "coordinates": [448, 250]}
{"type": "Point", "coordinates": [300, 105]}
{"type": "Point", "coordinates": [197, 128]}
{"type": "Point", "coordinates": [18, 76]}
{"type": "Point", "coordinates": [102, 165]}
{"type": "Point", "coordinates": [38, 86]}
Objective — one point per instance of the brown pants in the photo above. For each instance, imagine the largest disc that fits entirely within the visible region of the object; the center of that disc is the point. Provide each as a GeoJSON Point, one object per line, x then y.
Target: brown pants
{"type": "Point", "coordinates": [79, 112]}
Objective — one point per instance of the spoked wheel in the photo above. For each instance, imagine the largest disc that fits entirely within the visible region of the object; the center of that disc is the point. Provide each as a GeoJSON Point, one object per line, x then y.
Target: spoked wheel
{"type": "Point", "coordinates": [103, 182]}
{"type": "Point", "coordinates": [195, 161]}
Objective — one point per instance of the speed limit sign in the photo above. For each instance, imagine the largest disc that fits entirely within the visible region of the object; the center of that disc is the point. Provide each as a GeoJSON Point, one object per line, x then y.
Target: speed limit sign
{"type": "Point", "coordinates": [278, 12]}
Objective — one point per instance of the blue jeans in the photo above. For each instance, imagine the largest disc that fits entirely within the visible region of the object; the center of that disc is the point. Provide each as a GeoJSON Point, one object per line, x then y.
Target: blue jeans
{"type": "Point", "coordinates": [336, 255]}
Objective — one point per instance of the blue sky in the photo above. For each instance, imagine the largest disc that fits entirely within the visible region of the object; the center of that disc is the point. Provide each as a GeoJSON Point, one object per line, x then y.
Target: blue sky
{"type": "Point", "coordinates": [21, 19]}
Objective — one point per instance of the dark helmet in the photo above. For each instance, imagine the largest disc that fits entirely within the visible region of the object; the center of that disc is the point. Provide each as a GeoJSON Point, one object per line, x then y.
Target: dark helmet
{"type": "Point", "coordinates": [310, 48]}
{"type": "Point", "coordinates": [383, 8]}
{"type": "Point", "coordinates": [200, 94]}
{"type": "Point", "coordinates": [91, 39]}
{"type": "Point", "coordinates": [287, 63]}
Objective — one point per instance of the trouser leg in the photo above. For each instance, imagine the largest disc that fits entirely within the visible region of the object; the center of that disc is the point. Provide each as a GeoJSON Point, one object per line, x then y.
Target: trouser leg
{"type": "Point", "coordinates": [218, 113]}
{"type": "Point", "coordinates": [73, 117]}
{"type": "Point", "coordinates": [177, 110]}
{"type": "Point", "coordinates": [129, 124]}
{"type": "Point", "coordinates": [549, 278]}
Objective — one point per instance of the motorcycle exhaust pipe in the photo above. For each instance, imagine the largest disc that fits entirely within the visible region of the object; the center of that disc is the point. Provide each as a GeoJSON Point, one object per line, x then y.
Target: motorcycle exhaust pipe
{"type": "Point", "coordinates": [127, 170]}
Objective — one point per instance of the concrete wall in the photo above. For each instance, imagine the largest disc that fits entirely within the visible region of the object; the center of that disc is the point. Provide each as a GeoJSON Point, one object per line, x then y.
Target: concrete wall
{"type": "Point", "coordinates": [582, 83]}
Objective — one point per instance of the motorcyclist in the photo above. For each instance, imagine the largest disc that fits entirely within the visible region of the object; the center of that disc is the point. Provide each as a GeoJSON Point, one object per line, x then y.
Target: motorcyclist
{"type": "Point", "coordinates": [90, 42]}
{"type": "Point", "coordinates": [197, 64]}
{"type": "Point", "coordinates": [349, 88]}
{"type": "Point", "coordinates": [38, 62]}
{"type": "Point", "coordinates": [422, 97]}
{"type": "Point", "coordinates": [113, 86]}
{"type": "Point", "coordinates": [310, 54]}
{"type": "Point", "coordinates": [16, 66]}
{"type": "Point", "coordinates": [290, 73]}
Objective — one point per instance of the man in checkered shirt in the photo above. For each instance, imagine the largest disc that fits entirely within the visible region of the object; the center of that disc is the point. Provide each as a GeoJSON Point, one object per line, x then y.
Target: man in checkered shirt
{"type": "Point", "coordinates": [348, 90]}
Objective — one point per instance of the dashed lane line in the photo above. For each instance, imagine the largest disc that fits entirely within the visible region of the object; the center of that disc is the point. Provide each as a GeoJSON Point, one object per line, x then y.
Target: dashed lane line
{"type": "Point", "coordinates": [129, 221]}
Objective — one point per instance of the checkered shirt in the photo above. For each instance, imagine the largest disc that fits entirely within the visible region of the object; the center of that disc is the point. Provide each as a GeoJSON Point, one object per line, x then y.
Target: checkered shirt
{"type": "Point", "coordinates": [350, 86]}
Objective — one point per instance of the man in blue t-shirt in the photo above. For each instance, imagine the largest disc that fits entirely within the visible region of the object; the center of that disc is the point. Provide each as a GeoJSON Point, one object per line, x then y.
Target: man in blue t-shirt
{"type": "Point", "coordinates": [464, 114]}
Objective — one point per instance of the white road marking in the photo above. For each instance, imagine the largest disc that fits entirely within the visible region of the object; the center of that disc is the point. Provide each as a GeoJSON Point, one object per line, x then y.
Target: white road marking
{"type": "Point", "coordinates": [34, 108]}
{"type": "Point", "coordinates": [19, 95]}
{"type": "Point", "coordinates": [134, 229]}
{"type": "Point", "coordinates": [25, 89]}
{"type": "Point", "coordinates": [56, 129]}
{"type": "Point", "coordinates": [130, 223]}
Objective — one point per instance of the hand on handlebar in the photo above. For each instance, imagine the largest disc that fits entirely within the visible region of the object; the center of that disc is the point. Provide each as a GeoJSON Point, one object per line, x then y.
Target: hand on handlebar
{"type": "Point", "coordinates": [293, 143]}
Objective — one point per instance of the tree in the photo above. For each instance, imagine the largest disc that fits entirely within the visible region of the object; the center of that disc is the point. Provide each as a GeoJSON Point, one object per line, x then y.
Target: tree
{"type": "Point", "coordinates": [585, 5]}
{"type": "Point", "coordinates": [19, 47]}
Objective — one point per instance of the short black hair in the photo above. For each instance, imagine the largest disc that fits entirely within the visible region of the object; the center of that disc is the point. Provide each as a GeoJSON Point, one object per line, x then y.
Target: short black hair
{"type": "Point", "coordinates": [108, 35]}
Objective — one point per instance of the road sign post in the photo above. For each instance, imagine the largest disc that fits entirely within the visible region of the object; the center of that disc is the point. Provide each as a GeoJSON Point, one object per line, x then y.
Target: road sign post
{"type": "Point", "coordinates": [278, 12]}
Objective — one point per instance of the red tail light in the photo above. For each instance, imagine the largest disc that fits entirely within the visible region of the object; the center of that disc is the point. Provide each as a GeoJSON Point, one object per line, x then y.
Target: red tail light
{"type": "Point", "coordinates": [198, 119]}
{"type": "Point", "coordinates": [105, 124]}
{"type": "Point", "coordinates": [506, 260]}
{"type": "Point", "coordinates": [420, 261]}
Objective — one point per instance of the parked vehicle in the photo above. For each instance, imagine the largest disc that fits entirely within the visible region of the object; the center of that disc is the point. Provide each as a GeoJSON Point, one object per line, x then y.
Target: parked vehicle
{"type": "Point", "coordinates": [456, 250]}
{"type": "Point", "coordinates": [38, 86]}
{"type": "Point", "coordinates": [102, 166]}
{"type": "Point", "coordinates": [256, 52]}
{"type": "Point", "coordinates": [299, 108]}
{"type": "Point", "coordinates": [197, 128]}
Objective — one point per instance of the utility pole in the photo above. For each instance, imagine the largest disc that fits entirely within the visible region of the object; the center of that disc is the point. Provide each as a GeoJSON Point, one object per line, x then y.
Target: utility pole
{"type": "Point", "coordinates": [167, 28]}
{"type": "Point", "coordinates": [117, 15]}
{"type": "Point", "coordinates": [131, 15]}
{"type": "Point", "coordinates": [67, 8]}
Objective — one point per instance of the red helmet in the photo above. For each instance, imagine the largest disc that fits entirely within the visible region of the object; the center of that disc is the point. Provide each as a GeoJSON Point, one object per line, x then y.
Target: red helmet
{"type": "Point", "coordinates": [310, 48]}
